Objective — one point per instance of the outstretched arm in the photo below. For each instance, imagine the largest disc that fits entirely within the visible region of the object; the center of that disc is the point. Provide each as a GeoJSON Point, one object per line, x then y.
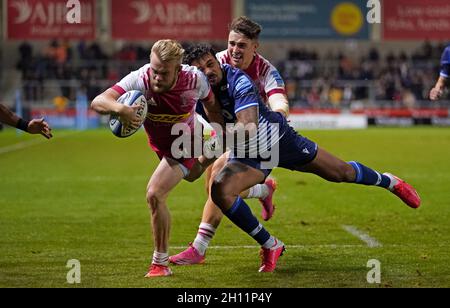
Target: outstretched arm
{"type": "Point", "coordinates": [245, 130]}
{"type": "Point", "coordinates": [35, 126]}
{"type": "Point", "coordinates": [8, 117]}
{"type": "Point", "coordinates": [247, 119]}
{"type": "Point", "coordinates": [438, 90]}
{"type": "Point", "coordinates": [279, 103]}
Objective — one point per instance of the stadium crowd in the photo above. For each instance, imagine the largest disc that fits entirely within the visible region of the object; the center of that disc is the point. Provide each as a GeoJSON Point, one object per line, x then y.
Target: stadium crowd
{"type": "Point", "coordinates": [337, 80]}
{"type": "Point", "coordinates": [312, 81]}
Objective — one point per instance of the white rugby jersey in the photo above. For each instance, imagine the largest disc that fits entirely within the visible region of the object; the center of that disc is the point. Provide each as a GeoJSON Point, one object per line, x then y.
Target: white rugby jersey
{"type": "Point", "coordinates": [170, 108]}
{"type": "Point", "coordinates": [262, 72]}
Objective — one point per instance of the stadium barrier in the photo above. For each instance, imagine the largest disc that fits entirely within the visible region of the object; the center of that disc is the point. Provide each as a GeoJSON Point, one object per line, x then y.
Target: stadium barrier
{"type": "Point", "coordinates": [78, 117]}
{"type": "Point", "coordinates": [328, 121]}
{"type": "Point", "coordinates": [334, 118]}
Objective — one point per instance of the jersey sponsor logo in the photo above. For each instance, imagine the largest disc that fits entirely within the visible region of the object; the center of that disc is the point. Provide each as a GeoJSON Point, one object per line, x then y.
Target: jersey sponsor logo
{"type": "Point", "coordinates": [168, 118]}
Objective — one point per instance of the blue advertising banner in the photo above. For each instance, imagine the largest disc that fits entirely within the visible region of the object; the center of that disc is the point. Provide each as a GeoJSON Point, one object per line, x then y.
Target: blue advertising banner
{"type": "Point", "coordinates": [310, 19]}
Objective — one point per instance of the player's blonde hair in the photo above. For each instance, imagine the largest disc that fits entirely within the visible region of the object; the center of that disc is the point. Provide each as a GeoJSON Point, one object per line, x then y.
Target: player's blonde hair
{"type": "Point", "coordinates": [168, 50]}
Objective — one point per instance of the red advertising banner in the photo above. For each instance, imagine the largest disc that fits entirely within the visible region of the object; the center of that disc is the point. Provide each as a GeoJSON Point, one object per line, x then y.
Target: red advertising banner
{"type": "Point", "coordinates": [50, 19]}
{"type": "Point", "coordinates": [174, 19]}
{"type": "Point", "coordinates": [416, 19]}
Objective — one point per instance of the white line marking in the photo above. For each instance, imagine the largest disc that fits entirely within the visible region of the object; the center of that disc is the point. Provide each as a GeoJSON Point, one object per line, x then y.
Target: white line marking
{"type": "Point", "coordinates": [370, 241]}
{"type": "Point", "coordinates": [22, 145]}
{"type": "Point", "coordinates": [19, 146]}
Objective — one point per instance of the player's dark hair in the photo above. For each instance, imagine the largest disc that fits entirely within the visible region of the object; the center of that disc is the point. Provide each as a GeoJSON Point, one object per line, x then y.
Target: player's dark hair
{"type": "Point", "coordinates": [195, 52]}
{"type": "Point", "coordinates": [247, 27]}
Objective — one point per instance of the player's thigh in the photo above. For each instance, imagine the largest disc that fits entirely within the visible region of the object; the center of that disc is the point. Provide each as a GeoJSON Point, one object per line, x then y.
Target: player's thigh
{"type": "Point", "coordinates": [236, 177]}
{"type": "Point", "coordinates": [219, 164]}
{"type": "Point", "coordinates": [203, 165]}
{"type": "Point", "coordinates": [166, 176]}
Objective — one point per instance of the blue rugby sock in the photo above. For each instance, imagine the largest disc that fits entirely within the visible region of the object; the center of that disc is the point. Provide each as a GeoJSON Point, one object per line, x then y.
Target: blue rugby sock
{"type": "Point", "coordinates": [241, 215]}
{"type": "Point", "coordinates": [367, 176]}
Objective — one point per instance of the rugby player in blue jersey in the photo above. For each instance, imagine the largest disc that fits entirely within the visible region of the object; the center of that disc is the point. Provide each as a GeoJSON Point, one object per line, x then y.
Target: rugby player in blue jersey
{"type": "Point", "coordinates": [241, 102]}
{"type": "Point", "coordinates": [438, 90]}
{"type": "Point", "coordinates": [243, 43]}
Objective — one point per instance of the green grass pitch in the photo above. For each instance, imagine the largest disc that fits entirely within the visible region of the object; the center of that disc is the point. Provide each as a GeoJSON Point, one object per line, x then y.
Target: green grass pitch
{"type": "Point", "coordinates": [82, 196]}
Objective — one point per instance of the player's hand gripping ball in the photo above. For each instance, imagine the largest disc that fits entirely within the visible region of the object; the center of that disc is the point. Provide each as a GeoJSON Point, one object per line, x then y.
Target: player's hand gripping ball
{"type": "Point", "coordinates": [131, 98]}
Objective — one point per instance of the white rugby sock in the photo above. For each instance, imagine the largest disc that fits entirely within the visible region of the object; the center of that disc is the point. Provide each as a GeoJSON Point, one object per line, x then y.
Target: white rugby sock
{"type": "Point", "coordinates": [271, 242]}
{"type": "Point", "coordinates": [259, 191]}
{"type": "Point", "coordinates": [160, 258]}
{"type": "Point", "coordinates": [204, 236]}
{"type": "Point", "coordinates": [393, 181]}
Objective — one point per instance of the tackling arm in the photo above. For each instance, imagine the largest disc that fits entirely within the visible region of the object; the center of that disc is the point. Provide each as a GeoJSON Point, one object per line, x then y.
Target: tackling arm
{"type": "Point", "coordinates": [279, 103]}
{"type": "Point", "coordinates": [438, 90]}
{"type": "Point", "coordinates": [246, 125]}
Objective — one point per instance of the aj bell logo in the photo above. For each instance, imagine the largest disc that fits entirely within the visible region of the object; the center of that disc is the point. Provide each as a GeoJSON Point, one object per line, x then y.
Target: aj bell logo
{"type": "Point", "coordinates": [50, 13]}
{"type": "Point", "coordinates": [171, 13]}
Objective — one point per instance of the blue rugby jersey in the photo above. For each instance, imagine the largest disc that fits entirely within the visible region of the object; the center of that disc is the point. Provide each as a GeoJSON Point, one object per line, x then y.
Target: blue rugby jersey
{"type": "Point", "coordinates": [238, 92]}
{"type": "Point", "coordinates": [445, 63]}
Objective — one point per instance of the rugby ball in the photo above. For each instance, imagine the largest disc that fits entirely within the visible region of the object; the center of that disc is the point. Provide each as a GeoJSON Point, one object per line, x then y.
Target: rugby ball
{"type": "Point", "coordinates": [130, 98]}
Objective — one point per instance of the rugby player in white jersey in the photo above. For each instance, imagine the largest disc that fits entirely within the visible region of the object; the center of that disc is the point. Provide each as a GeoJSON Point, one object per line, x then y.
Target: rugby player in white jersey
{"type": "Point", "coordinates": [172, 91]}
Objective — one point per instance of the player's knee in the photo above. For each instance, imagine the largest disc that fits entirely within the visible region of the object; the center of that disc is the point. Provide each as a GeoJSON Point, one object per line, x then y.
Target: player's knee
{"type": "Point", "coordinates": [210, 181]}
{"type": "Point", "coordinates": [154, 198]}
{"type": "Point", "coordinates": [219, 194]}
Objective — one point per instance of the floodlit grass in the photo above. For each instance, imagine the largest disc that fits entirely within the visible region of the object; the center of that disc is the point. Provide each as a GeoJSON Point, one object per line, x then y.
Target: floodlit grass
{"type": "Point", "coordinates": [82, 196]}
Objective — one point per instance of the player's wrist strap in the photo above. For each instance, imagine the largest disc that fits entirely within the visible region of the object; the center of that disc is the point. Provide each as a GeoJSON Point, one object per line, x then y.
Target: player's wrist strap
{"type": "Point", "coordinates": [23, 125]}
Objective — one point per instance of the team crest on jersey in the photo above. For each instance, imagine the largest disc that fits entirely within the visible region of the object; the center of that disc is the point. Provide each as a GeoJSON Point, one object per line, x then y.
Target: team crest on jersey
{"type": "Point", "coordinates": [184, 100]}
